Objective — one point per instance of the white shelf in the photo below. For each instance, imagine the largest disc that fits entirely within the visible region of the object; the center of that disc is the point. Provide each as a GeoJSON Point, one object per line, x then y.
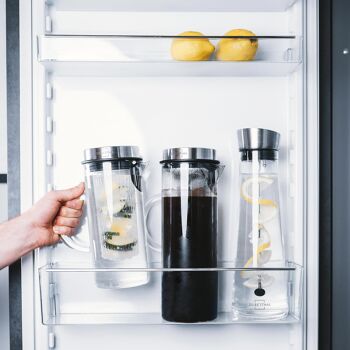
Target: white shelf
{"type": "Point", "coordinates": [137, 55]}
{"type": "Point", "coordinates": [200, 69]}
{"type": "Point", "coordinates": [172, 5]}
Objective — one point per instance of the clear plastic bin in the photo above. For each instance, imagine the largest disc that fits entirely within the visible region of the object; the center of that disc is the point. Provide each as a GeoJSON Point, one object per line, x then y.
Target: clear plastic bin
{"type": "Point", "coordinates": [69, 295]}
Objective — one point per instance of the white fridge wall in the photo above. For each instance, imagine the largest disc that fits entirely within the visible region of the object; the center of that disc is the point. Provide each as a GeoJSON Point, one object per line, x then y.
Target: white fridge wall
{"type": "Point", "coordinates": [171, 5]}
{"type": "Point", "coordinates": [205, 112]}
{"type": "Point", "coordinates": [242, 337]}
{"type": "Point", "coordinates": [80, 106]}
{"type": "Point", "coordinates": [166, 23]}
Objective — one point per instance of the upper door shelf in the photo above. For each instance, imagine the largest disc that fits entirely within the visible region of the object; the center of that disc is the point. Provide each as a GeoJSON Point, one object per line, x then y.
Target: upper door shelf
{"type": "Point", "coordinates": [154, 55]}
{"type": "Point", "coordinates": [172, 5]}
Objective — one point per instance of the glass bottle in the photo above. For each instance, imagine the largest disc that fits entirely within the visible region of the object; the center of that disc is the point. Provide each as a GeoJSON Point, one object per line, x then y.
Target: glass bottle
{"type": "Point", "coordinates": [115, 211]}
{"type": "Point", "coordinates": [189, 234]}
{"type": "Point", "coordinates": [260, 294]}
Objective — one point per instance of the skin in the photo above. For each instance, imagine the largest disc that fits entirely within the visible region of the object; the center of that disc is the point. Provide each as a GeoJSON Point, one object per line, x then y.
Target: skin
{"type": "Point", "coordinates": [57, 213]}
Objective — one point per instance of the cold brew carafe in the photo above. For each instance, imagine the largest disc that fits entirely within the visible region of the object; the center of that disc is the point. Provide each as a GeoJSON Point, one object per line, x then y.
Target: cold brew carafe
{"type": "Point", "coordinates": [189, 234]}
{"type": "Point", "coordinates": [258, 293]}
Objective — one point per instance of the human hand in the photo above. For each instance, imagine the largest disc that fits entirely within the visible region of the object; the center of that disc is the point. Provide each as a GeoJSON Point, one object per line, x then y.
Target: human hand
{"type": "Point", "coordinates": [57, 213]}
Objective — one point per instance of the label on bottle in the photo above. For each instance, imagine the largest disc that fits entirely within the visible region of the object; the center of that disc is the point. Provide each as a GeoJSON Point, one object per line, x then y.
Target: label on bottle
{"type": "Point", "coordinates": [259, 305]}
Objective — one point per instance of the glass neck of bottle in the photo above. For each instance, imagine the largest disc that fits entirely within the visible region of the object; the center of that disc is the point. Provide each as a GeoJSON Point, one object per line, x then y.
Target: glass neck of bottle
{"type": "Point", "coordinates": [261, 166]}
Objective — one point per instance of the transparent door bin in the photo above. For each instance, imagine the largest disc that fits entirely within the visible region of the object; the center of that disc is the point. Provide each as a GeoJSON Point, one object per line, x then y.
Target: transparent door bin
{"type": "Point", "coordinates": [69, 295]}
{"type": "Point", "coordinates": [137, 55]}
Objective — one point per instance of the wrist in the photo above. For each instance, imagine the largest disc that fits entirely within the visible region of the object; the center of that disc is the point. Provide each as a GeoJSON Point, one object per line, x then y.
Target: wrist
{"type": "Point", "coordinates": [16, 239]}
{"type": "Point", "coordinates": [27, 233]}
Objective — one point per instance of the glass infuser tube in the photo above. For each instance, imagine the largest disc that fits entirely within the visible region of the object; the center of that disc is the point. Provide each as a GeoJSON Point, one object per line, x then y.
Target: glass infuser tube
{"type": "Point", "coordinates": [255, 215]}
{"type": "Point", "coordinates": [255, 207]}
{"type": "Point", "coordinates": [184, 178]}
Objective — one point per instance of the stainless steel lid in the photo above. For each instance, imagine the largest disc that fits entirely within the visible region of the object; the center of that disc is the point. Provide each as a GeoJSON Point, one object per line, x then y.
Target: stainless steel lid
{"type": "Point", "coordinates": [111, 153]}
{"type": "Point", "coordinates": [189, 153]}
{"type": "Point", "coordinates": [258, 139]}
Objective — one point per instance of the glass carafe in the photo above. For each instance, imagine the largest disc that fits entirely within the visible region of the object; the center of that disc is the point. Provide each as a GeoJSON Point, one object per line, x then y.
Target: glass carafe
{"type": "Point", "coordinates": [189, 233]}
{"type": "Point", "coordinates": [260, 294]}
{"type": "Point", "coordinates": [115, 214]}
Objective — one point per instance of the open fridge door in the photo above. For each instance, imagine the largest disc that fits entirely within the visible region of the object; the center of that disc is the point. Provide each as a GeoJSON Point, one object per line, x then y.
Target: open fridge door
{"type": "Point", "coordinates": [100, 73]}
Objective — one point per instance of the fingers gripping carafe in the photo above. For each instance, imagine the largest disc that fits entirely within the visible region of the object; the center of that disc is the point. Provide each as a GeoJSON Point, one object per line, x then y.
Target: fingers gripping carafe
{"type": "Point", "coordinates": [259, 294]}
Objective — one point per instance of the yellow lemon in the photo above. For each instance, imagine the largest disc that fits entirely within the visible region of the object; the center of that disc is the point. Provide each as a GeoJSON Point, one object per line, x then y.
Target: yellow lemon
{"type": "Point", "coordinates": [121, 226]}
{"type": "Point", "coordinates": [262, 258]}
{"type": "Point", "coordinates": [237, 49]}
{"type": "Point", "coordinates": [119, 236]}
{"type": "Point", "coordinates": [246, 191]}
{"type": "Point", "coordinates": [263, 252]}
{"type": "Point", "coordinates": [191, 49]}
{"type": "Point", "coordinates": [120, 243]}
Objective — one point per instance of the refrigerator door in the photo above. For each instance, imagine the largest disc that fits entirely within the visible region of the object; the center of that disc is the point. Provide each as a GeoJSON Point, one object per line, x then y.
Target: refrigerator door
{"type": "Point", "coordinates": [79, 99]}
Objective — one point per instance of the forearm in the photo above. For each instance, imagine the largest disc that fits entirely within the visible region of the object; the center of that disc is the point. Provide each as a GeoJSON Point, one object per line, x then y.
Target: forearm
{"type": "Point", "coordinates": [57, 213]}
{"type": "Point", "coordinates": [16, 240]}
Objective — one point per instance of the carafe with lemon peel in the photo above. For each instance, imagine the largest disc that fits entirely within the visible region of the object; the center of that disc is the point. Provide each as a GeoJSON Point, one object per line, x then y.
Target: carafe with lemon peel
{"type": "Point", "coordinates": [114, 183]}
{"type": "Point", "coordinates": [258, 293]}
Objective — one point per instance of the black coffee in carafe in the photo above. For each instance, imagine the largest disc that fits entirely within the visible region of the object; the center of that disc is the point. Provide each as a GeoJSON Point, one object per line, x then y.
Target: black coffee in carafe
{"type": "Point", "coordinates": [189, 226]}
{"type": "Point", "coordinates": [189, 296]}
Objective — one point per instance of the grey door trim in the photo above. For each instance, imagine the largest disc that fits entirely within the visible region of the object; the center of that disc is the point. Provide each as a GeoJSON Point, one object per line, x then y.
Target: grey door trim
{"type": "Point", "coordinates": [341, 174]}
{"type": "Point", "coordinates": [326, 176]}
{"type": "Point", "coordinates": [334, 175]}
{"type": "Point", "coordinates": [13, 156]}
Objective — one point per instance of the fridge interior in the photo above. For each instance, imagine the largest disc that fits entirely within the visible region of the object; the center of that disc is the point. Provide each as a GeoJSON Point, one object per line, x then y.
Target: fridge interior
{"type": "Point", "coordinates": [103, 75]}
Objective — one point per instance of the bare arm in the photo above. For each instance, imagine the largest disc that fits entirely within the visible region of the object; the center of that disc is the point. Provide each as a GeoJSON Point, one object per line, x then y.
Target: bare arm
{"type": "Point", "coordinates": [58, 212]}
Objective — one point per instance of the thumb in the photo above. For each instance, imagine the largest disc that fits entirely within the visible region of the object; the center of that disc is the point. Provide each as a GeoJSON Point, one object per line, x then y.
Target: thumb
{"type": "Point", "coordinates": [70, 193]}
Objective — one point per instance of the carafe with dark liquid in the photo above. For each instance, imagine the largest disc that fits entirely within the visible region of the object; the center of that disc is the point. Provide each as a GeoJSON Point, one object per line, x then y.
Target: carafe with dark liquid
{"type": "Point", "coordinates": [189, 226]}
